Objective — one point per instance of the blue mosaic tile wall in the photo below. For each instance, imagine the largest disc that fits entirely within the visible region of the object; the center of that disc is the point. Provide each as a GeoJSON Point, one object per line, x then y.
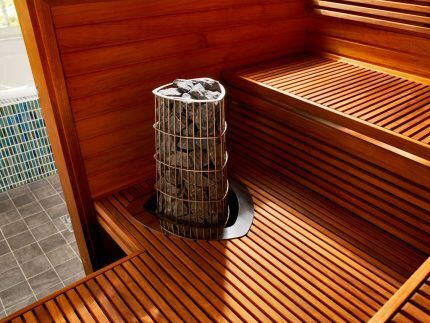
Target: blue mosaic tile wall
{"type": "Point", "coordinates": [25, 150]}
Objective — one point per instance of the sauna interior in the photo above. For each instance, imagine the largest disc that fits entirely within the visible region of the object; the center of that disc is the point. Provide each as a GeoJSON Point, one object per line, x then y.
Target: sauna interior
{"type": "Point", "coordinates": [328, 112]}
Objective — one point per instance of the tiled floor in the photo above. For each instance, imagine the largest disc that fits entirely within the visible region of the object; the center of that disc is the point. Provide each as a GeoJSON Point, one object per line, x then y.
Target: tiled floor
{"type": "Point", "coordinates": [38, 252]}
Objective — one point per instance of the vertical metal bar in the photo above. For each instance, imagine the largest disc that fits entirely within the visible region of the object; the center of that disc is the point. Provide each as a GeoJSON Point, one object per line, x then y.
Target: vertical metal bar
{"type": "Point", "coordinates": [187, 133]}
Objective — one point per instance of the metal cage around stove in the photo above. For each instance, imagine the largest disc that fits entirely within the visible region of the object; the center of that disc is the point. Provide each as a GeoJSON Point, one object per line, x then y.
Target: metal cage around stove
{"type": "Point", "coordinates": [191, 159]}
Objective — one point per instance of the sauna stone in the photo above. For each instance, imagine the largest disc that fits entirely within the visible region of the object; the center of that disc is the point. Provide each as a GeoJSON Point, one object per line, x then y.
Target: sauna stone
{"type": "Point", "coordinates": [198, 92]}
{"type": "Point", "coordinates": [183, 86]}
{"type": "Point", "coordinates": [171, 92]}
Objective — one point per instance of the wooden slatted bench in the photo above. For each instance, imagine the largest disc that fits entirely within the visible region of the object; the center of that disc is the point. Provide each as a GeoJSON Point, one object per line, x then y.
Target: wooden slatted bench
{"type": "Point", "coordinates": [355, 135]}
{"type": "Point", "coordinates": [305, 259]}
{"type": "Point", "coordinates": [384, 106]}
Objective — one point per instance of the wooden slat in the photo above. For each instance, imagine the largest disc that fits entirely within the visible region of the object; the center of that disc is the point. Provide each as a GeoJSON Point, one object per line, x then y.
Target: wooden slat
{"type": "Point", "coordinates": [408, 302]}
{"type": "Point", "coordinates": [386, 13]}
{"type": "Point", "coordinates": [400, 15]}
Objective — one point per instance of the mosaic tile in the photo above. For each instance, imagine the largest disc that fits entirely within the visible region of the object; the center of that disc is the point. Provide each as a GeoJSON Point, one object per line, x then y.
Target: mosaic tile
{"type": "Point", "coordinates": [25, 151]}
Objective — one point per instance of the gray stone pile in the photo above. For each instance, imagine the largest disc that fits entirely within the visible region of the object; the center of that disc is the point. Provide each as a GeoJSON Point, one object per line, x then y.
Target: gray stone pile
{"type": "Point", "coordinates": [196, 89]}
{"type": "Point", "coordinates": [191, 153]}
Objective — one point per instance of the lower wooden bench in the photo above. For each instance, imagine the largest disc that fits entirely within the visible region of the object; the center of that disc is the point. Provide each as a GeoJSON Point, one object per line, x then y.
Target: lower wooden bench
{"type": "Point", "coordinates": [304, 259]}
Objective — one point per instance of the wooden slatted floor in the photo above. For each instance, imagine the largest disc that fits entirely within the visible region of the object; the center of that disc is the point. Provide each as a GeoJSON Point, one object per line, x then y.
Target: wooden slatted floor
{"type": "Point", "coordinates": [387, 101]}
{"type": "Point", "coordinates": [304, 259]}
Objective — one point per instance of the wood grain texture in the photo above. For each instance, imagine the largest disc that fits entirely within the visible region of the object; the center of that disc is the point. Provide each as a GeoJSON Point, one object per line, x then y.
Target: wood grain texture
{"type": "Point", "coordinates": [411, 302]}
{"type": "Point", "coordinates": [114, 53]}
{"type": "Point", "coordinates": [358, 172]}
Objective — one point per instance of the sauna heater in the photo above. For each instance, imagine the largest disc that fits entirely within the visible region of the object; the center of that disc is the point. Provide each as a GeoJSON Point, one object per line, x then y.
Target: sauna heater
{"type": "Point", "coordinates": [193, 195]}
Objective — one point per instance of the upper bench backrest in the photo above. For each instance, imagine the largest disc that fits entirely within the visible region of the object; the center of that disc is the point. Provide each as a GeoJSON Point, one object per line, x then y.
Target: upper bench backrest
{"type": "Point", "coordinates": [394, 34]}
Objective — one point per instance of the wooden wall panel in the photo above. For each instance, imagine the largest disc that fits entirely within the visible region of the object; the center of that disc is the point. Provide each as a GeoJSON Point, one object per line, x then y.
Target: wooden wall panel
{"type": "Point", "coordinates": [115, 52]}
{"type": "Point", "coordinates": [386, 33]}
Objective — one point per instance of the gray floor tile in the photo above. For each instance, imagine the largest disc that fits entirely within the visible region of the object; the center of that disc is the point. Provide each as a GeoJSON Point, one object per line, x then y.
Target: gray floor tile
{"type": "Point", "coordinates": [35, 266]}
{"type": "Point", "coordinates": [69, 268]}
{"type": "Point", "coordinates": [20, 240]}
{"type": "Point", "coordinates": [44, 280]}
{"type": "Point", "coordinates": [14, 228]}
{"type": "Point", "coordinates": [20, 305]}
{"type": "Point", "coordinates": [15, 294]}
{"type": "Point", "coordinates": [44, 192]}
{"type": "Point", "coordinates": [28, 253]}
{"type": "Point", "coordinates": [4, 197]}
{"type": "Point", "coordinates": [74, 246]}
{"type": "Point", "coordinates": [59, 224]}
{"type": "Point", "coordinates": [53, 242]}
{"type": "Point", "coordinates": [2, 314]}
{"type": "Point", "coordinates": [58, 188]}
{"type": "Point", "coordinates": [38, 184]}
{"type": "Point", "coordinates": [6, 206]}
{"type": "Point", "coordinates": [7, 262]}
{"type": "Point", "coordinates": [49, 291]}
{"type": "Point", "coordinates": [57, 211]}
{"type": "Point", "coordinates": [74, 278]}
{"type": "Point", "coordinates": [62, 196]}
{"type": "Point", "coordinates": [68, 236]}
{"type": "Point", "coordinates": [53, 179]}
{"type": "Point", "coordinates": [30, 209]}
{"type": "Point", "coordinates": [37, 219]}
{"type": "Point", "coordinates": [8, 217]}
{"type": "Point", "coordinates": [18, 191]}
{"type": "Point", "coordinates": [45, 230]}
{"type": "Point", "coordinates": [22, 200]}
{"type": "Point", "coordinates": [60, 255]}
{"type": "Point", "coordinates": [4, 248]}
{"type": "Point", "coordinates": [11, 277]}
{"type": "Point", "coordinates": [51, 201]}
{"type": "Point", "coordinates": [1, 236]}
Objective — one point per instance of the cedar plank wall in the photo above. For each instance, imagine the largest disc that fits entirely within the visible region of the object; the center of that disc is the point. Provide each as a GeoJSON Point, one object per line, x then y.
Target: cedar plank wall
{"type": "Point", "coordinates": [114, 53]}
{"type": "Point", "coordinates": [387, 33]}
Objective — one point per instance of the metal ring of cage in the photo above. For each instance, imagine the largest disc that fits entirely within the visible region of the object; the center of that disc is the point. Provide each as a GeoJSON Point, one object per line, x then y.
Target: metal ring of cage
{"type": "Point", "coordinates": [195, 201]}
{"type": "Point", "coordinates": [193, 170]}
{"type": "Point", "coordinates": [188, 137]}
{"type": "Point", "coordinates": [205, 233]}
